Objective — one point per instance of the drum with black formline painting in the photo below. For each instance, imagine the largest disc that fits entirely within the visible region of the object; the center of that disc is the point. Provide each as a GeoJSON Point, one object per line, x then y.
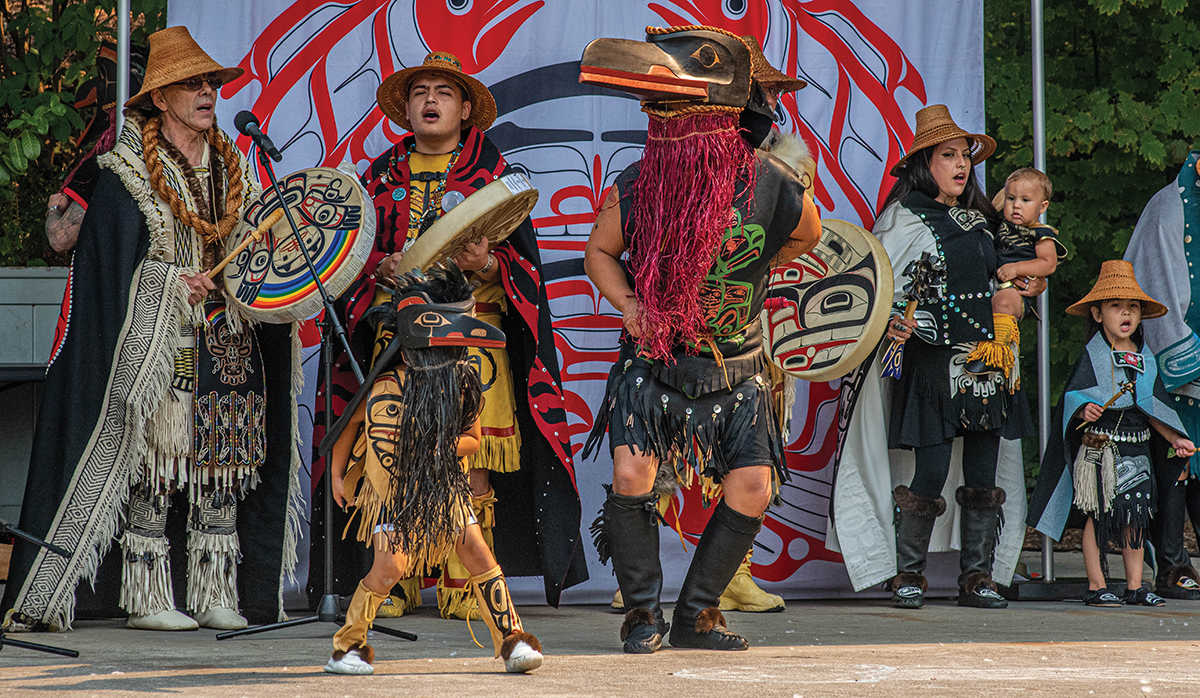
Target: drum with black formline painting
{"type": "Point", "coordinates": [827, 310]}
{"type": "Point", "coordinates": [268, 279]}
{"type": "Point", "coordinates": [493, 211]}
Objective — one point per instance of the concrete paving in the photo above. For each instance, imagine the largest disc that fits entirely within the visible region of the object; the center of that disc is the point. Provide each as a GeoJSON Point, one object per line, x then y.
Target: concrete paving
{"type": "Point", "coordinates": [861, 647]}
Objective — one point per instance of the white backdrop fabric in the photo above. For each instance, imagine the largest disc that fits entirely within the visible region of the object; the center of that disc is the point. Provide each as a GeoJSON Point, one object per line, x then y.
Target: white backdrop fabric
{"type": "Point", "coordinates": [312, 68]}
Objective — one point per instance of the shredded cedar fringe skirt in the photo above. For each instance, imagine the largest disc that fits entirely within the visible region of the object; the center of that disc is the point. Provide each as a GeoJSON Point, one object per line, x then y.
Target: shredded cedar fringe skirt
{"type": "Point", "coordinates": [935, 399]}
{"type": "Point", "coordinates": [373, 495]}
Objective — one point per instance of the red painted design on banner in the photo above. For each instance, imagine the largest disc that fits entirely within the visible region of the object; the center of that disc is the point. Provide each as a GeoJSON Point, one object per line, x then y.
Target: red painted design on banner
{"type": "Point", "coordinates": [476, 32]}
{"type": "Point", "coordinates": [303, 70]}
{"type": "Point", "coordinates": [811, 19]}
{"type": "Point", "coordinates": [754, 17]}
{"type": "Point", "coordinates": [593, 196]}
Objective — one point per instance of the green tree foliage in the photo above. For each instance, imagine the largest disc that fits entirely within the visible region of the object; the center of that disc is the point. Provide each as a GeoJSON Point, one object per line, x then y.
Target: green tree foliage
{"type": "Point", "coordinates": [1122, 112]}
{"type": "Point", "coordinates": [49, 48]}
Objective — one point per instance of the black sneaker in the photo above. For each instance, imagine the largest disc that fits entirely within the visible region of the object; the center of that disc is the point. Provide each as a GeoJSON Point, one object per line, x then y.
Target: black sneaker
{"type": "Point", "coordinates": [1102, 598]}
{"type": "Point", "coordinates": [1142, 597]}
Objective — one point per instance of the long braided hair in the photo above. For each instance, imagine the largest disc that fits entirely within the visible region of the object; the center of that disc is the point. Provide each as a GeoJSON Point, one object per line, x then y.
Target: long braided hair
{"type": "Point", "coordinates": [211, 232]}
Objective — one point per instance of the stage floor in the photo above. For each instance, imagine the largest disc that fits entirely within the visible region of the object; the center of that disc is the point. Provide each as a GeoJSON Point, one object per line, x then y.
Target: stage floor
{"type": "Point", "coordinates": [861, 647]}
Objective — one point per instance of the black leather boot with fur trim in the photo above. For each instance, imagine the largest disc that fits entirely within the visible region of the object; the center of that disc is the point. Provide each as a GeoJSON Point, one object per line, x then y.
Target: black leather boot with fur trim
{"type": "Point", "coordinates": [629, 531]}
{"type": "Point", "coordinates": [980, 523]}
{"type": "Point", "coordinates": [914, 517]}
{"type": "Point", "coordinates": [643, 631]}
{"type": "Point", "coordinates": [707, 632]}
{"type": "Point", "coordinates": [697, 621]}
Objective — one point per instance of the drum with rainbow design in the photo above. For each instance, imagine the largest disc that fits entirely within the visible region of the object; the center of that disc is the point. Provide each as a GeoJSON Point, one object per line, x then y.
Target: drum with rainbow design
{"type": "Point", "coordinates": [270, 280]}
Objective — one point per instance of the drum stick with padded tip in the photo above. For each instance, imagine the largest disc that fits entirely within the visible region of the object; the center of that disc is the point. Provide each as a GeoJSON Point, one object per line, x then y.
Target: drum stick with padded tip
{"type": "Point", "coordinates": [252, 237]}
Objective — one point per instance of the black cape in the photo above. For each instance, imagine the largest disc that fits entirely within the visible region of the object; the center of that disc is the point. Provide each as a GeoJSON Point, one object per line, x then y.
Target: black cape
{"type": "Point", "coordinates": [113, 241]}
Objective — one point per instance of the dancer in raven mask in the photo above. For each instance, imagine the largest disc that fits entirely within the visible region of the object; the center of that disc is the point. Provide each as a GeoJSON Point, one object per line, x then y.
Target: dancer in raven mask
{"type": "Point", "coordinates": [702, 216]}
{"type": "Point", "coordinates": [399, 458]}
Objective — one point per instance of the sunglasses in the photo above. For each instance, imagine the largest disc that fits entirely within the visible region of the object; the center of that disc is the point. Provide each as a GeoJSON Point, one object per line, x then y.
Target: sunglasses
{"type": "Point", "coordinates": [193, 84]}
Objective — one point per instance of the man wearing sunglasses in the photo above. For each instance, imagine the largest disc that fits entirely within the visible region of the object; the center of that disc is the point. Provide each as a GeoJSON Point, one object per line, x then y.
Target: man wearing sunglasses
{"type": "Point", "coordinates": [157, 391]}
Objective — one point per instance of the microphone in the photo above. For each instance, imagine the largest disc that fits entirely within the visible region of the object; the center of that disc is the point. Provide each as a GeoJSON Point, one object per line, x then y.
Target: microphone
{"type": "Point", "coordinates": [247, 123]}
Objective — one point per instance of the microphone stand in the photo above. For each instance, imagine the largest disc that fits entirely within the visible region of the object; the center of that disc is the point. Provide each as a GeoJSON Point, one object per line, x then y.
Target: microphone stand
{"type": "Point", "coordinates": [327, 611]}
{"type": "Point", "coordinates": [4, 639]}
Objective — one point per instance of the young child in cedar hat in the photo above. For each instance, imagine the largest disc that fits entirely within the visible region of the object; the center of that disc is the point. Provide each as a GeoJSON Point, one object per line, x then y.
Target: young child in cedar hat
{"type": "Point", "coordinates": [1098, 469]}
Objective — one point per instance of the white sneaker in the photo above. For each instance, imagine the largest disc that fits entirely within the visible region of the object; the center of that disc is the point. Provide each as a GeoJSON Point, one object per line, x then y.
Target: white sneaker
{"type": "Point", "coordinates": [523, 658]}
{"type": "Point", "coordinates": [350, 663]}
{"type": "Point", "coordinates": [164, 620]}
{"type": "Point", "coordinates": [221, 618]}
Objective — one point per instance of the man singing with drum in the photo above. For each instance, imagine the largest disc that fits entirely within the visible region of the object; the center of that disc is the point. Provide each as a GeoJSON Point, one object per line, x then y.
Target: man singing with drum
{"type": "Point", "coordinates": [157, 386]}
{"type": "Point", "coordinates": [522, 465]}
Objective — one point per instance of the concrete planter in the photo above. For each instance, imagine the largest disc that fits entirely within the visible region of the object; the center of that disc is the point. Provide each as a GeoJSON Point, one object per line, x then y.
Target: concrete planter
{"type": "Point", "coordinates": [30, 299]}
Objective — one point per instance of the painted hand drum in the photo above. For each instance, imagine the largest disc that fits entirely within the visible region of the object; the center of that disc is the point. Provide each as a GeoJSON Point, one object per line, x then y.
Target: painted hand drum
{"type": "Point", "coordinates": [269, 280]}
{"type": "Point", "coordinates": [828, 309]}
{"type": "Point", "coordinates": [494, 211]}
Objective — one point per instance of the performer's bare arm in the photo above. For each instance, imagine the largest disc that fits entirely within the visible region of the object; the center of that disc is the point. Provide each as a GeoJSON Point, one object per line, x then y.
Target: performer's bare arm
{"type": "Point", "coordinates": [63, 218]}
{"type": "Point", "coordinates": [806, 235]}
{"type": "Point", "coordinates": [469, 440]}
{"type": "Point", "coordinates": [340, 455]}
{"type": "Point", "coordinates": [602, 262]}
{"type": "Point", "coordinates": [1180, 442]}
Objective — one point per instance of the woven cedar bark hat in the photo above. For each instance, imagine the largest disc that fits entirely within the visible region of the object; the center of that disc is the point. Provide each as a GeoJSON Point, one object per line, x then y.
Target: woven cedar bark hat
{"type": "Point", "coordinates": [934, 126]}
{"type": "Point", "coordinates": [392, 94]}
{"type": "Point", "coordinates": [175, 56]}
{"type": "Point", "coordinates": [767, 74]}
{"type": "Point", "coordinates": [1117, 281]}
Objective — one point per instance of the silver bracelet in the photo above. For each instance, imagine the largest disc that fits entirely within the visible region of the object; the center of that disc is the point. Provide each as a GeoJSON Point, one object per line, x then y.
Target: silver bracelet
{"type": "Point", "coordinates": [487, 267]}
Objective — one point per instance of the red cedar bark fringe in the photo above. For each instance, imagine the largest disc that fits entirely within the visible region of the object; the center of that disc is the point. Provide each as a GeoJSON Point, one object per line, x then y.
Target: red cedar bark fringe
{"type": "Point", "coordinates": [683, 199]}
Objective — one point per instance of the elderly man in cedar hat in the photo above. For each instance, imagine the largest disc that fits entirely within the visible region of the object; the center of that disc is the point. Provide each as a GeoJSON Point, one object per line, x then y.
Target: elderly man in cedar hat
{"type": "Point", "coordinates": [523, 467]}
{"type": "Point", "coordinates": [152, 378]}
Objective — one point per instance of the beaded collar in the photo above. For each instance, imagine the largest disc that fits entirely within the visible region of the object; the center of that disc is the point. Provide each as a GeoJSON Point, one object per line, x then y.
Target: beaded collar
{"type": "Point", "coordinates": [433, 201]}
